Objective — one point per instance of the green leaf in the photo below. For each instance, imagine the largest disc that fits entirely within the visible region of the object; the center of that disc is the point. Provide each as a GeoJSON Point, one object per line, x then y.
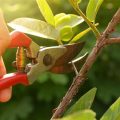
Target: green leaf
{"type": "Point", "coordinates": [46, 11]}
{"type": "Point", "coordinates": [34, 27]}
{"type": "Point", "coordinates": [80, 35]}
{"type": "Point", "coordinates": [67, 20]}
{"type": "Point", "coordinates": [79, 1]}
{"type": "Point", "coordinates": [113, 113]}
{"type": "Point", "coordinates": [58, 16]}
{"type": "Point", "coordinates": [66, 33]}
{"type": "Point", "coordinates": [92, 9]}
{"type": "Point", "coordinates": [84, 102]}
{"type": "Point", "coordinates": [81, 115]}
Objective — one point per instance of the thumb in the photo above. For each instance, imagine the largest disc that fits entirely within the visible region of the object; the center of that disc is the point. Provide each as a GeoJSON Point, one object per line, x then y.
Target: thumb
{"type": "Point", "coordinates": [4, 34]}
{"type": "Point", "coordinates": [5, 94]}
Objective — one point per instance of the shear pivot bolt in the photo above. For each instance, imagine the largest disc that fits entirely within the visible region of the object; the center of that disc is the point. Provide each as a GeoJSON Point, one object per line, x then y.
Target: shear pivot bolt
{"type": "Point", "coordinates": [47, 60]}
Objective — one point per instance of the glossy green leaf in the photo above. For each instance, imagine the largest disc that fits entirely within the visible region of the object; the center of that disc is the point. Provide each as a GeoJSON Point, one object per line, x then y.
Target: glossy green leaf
{"type": "Point", "coordinates": [113, 113]}
{"type": "Point", "coordinates": [66, 33]}
{"type": "Point", "coordinates": [67, 20]}
{"type": "Point", "coordinates": [34, 27]}
{"type": "Point", "coordinates": [58, 16]}
{"type": "Point", "coordinates": [92, 9]}
{"type": "Point", "coordinates": [81, 115]}
{"type": "Point", "coordinates": [79, 1]}
{"type": "Point", "coordinates": [80, 35]}
{"type": "Point", "coordinates": [46, 11]}
{"type": "Point", "coordinates": [84, 102]}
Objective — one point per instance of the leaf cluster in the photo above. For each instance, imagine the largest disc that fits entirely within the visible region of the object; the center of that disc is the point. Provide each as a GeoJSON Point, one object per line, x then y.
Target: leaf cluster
{"type": "Point", "coordinates": [57, 27]}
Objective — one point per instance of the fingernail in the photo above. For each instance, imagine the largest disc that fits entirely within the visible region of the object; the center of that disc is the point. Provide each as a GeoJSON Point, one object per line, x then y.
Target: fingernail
{"type": "Point", "coordinates": [5, 95]}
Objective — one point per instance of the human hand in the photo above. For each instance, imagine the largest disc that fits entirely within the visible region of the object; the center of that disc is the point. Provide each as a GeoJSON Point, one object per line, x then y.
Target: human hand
{"type": "Point", "coordinates": [5, 94]}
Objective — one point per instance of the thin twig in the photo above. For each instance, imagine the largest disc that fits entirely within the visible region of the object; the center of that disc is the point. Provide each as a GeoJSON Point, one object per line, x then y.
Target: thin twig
{"type": "Point", "coordinates": [75, 69]}
{"type": "Point", "coordinates": [80, 78]}
{"type": "Point", "coordinates": [94, 29]}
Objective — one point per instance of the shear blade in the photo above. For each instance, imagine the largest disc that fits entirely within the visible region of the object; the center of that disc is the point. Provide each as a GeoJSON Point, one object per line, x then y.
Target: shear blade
{"type": "Point", "coordinates": [70, 54]}
{"type": "Point", "coordinates": [67, 68]}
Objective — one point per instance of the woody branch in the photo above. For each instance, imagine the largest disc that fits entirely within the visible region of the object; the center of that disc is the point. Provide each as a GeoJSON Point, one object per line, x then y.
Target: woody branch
{"type": "Point", "coordinates": [101, 42]}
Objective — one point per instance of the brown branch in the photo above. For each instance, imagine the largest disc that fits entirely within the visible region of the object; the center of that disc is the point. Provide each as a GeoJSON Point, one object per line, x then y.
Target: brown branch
{"type": "Point", "coordinates": [111, 26]}
{"type": "Point", "coordinates": [80, 78]}
{"type": "Point", "coordinates": [112, 41]}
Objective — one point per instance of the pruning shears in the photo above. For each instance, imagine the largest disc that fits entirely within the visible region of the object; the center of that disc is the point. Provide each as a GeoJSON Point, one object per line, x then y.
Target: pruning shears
{"type": "Point", "coordinates": [57, 59]}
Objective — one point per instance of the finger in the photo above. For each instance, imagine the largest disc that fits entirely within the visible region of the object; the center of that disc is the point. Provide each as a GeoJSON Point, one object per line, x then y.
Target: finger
{"type": "Point", "coordinates": [4, 34]}
{"type": "Point", "coordinates": [5, 95]}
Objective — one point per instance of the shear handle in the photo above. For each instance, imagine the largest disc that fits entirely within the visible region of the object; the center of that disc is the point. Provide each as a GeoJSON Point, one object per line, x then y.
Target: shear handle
{"type": "Point", "coordinates": [19, 39]}
{"type": "Point", "coordinates": [12, 79]}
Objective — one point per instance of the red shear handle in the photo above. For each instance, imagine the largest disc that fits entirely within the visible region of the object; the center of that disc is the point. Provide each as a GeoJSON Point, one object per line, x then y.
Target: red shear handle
{"type": "Point", "coordinates": [12, 79]}
{"type": "Point", "coordinates": [19, 39]}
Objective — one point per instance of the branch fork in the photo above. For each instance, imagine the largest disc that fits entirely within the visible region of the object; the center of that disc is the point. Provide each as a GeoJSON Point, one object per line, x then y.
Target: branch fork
{"type": "Point", "coordinates": [101, 42]}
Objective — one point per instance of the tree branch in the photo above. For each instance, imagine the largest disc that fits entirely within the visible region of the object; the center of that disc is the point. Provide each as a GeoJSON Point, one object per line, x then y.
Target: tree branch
{"type": "Point", "coordinates": [112, 41]}
{"type": "Point", "coordinates": [80, 78]}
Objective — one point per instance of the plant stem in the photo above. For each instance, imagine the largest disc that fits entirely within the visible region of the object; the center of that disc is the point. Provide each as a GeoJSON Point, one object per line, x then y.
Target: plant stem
{"type": "Point", "coordinates": [59, 41]}
{"type": "Point", "coordinates": [90, 24]}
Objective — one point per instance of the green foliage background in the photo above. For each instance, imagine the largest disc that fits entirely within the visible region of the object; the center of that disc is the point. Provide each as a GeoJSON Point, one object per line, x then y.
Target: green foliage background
{"type": "Point", "coordinates": [37, 101]}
